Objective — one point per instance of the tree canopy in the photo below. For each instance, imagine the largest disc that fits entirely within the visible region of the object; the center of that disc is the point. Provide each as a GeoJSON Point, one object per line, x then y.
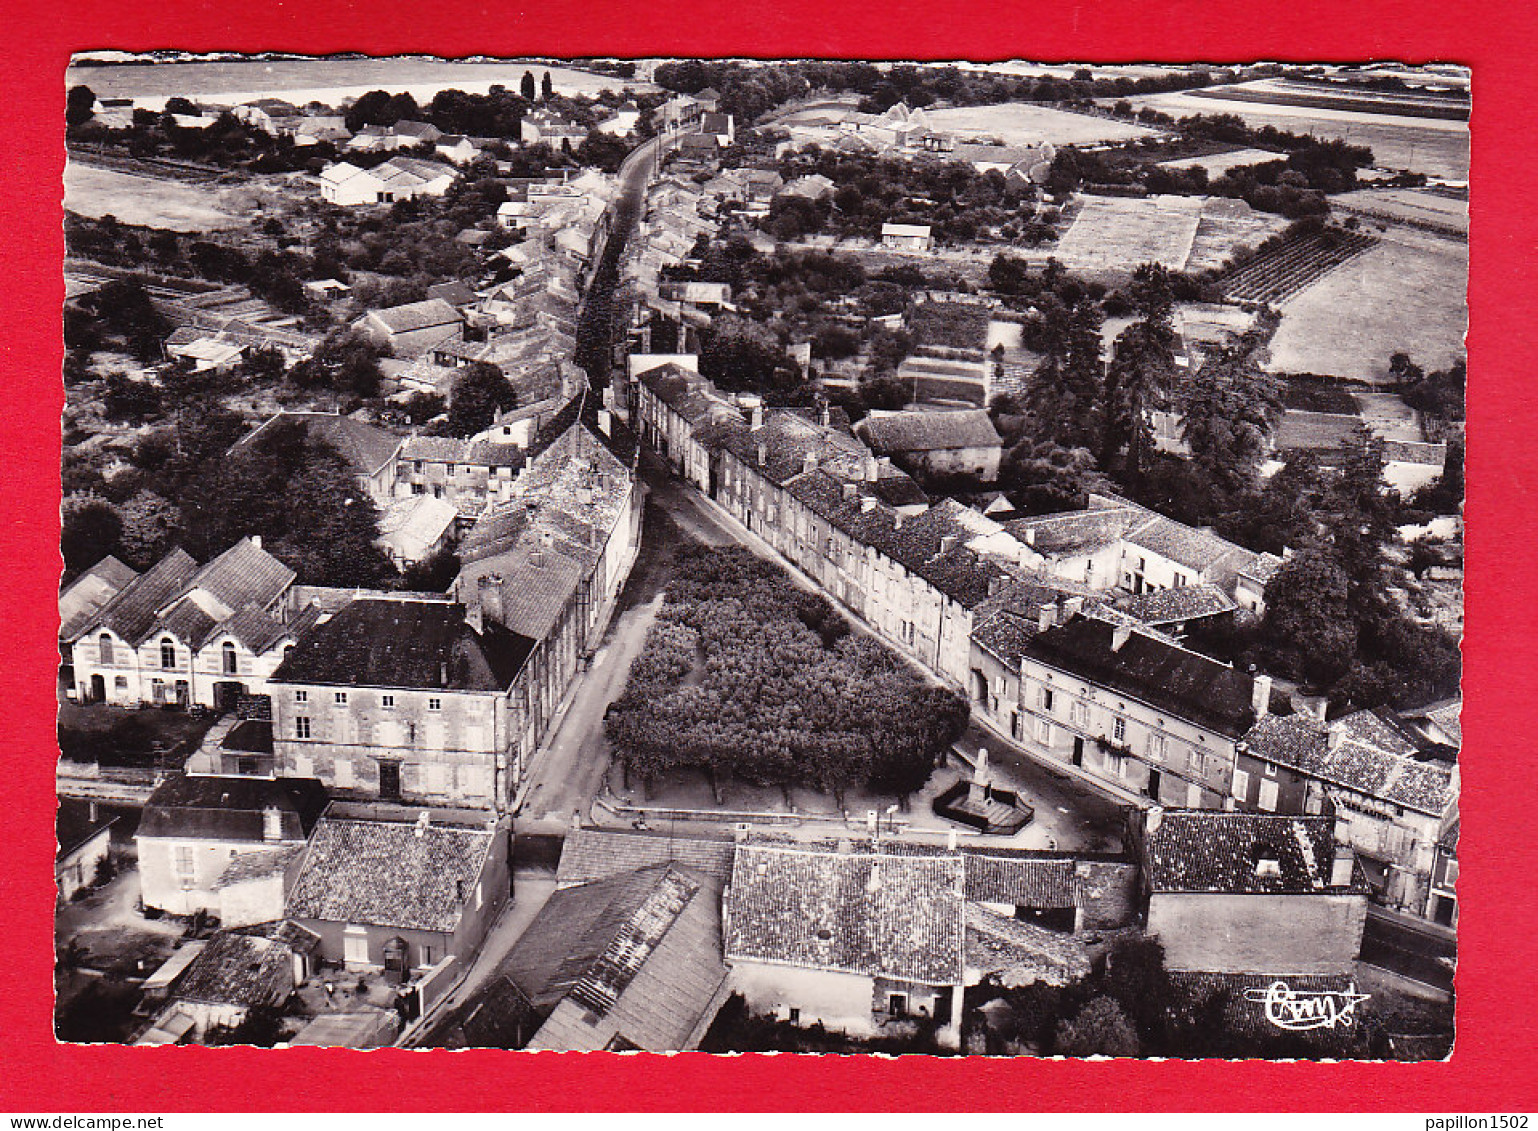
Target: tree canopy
{"type": "Point", "coordinates": [480, 390]}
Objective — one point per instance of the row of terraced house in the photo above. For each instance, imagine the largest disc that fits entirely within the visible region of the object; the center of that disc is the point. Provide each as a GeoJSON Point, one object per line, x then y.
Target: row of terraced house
{"type": "Point", "coordinates": [1064, 631]}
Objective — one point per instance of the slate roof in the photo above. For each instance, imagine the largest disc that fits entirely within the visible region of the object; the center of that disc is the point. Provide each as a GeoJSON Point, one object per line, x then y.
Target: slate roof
{"type": "Point", "coordinates": [73, 825]}
{"type": "Point", "coordinates": [256, 629]}
{"type": "Point", "coordinates": [1263, 568]}
{"type": "Point", "coordinates": [455, 292]}
{"type": "Point", "coordinates": [1208, 851]}
{"type": "Point", "coordinates": [1074, 532]}
{"type": "Point", "coordinates": [83, 598]}
{"type": "Point", "coordinates": [240, 969]}
{"type": "Point", "coordinates": [1001, 876]}
{"type": "Point", "coordinates": [409, 644]}
{"type": "Point", "coordinates": [859, 912]}
{"type": "Point", "coordinates": [132, 613]}
{"type": "Point", "coordinates": [598, 854]}
{"type": "Point", "coordinates": [1187, 546]}
{"type": "Point", "coordinates": [244, 574]}
{"type": "Point", "coordinates": [415, 316]}
{"type": "Point", "coordinates": [1164, 676]}
{"type": "Point", "coordinates": [364, 447]}
{"type": "Point", "coordinates": [928, 431]}
{"type": "Point", "coordinates": [205, 807]}
{"type": "Point", "coordinates": [390, 873]}
{"type": "Point", "coordinates": [1183, 603]}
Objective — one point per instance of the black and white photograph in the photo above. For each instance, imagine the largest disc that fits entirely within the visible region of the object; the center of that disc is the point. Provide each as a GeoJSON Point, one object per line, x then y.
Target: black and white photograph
{"type": "Point", "coordinates": [752, 555]}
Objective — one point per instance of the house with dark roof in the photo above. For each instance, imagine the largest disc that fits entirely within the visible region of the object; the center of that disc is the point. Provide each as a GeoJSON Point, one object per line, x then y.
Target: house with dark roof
{"type": "Point", "coordinates": [1137, 710]}
{"type": "Point", "coordinates": [412, 329]}
{"type": "Point", "coordinates": [630, 961]}
{"type": "Point", "coordinates": [401, 890]}
{"type": "Point", "coordinates": [235, 973]}
{"type": "Point", "coordinates": [195, 827]}
{"type": "Point", "coordinates": [1252, 893]}
{"type": "Point", "coordinates": [853, 936]}
{"type": "Point", "coordinates": [84, 838]}
{"type": "Point", "coordinates": [82, 598]}
{"type": "Point", "coordinates": [959, 442]}
{"type": "Point", "coordinates": [1393, 793]}
{"type": "Point", "coordinates": [183, 634]}
{"type": "Point", "coordinates": [401, 699]}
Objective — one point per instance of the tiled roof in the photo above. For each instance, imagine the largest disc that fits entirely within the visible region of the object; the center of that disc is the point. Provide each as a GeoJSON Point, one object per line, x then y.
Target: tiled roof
{"type": "Point", "coordinates": [1263, 568]}
{"type": "Point", "coordinates": [415, 316]}
{"type": "Point", "coordinates": [239, 969]}
{"type": "Point", "coordinates": [1169, 678]}
{"type": "Point", "coordinates": [1389, 772]}
{"type": "Point", "coordinates": [364, 447]}
{"type": "Point", "coordinates": [1183, 603]}
{"type": "Point", "coordinates": [245, 574]}
{"type": "Point", "coordinates": [1207, 851]}
{"type": "Point", "coordinates": [409, 644]}
{"type": "Point", "coordinates": [455, 292]}
{"type": "Point", "coordinates": [928, 431]}
{"type": "Point", "coordinates": [245, 866]}
{"type": "Point", "coordinates": [597, 854]}
{"type": "Point", "coordinates": [1006, 635]}
{"type": "Point", "coordinates": [413, 523]}
{"type": "Point", "coordinates": [857, 912]}
{"type": "Point", "coordinates": [1076, 531]}
{"type": "Point", "coordinates": [390, 873]}
{"type": "Point", "coordinates": [199, 807]}
{"type": "Point", "coordinates": [131, 614]}
{"type": "Point", "coordinates": [1025, 881]}
{"type": "Point", "coordinates": [1016, 953]}
{"type": "Point", "coordinates": [1379, 729]}
{"type": "Point", "coordinates": [1188, 546]}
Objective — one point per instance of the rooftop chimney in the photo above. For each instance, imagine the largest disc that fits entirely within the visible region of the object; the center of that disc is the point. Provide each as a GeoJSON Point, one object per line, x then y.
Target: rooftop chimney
{"type": "Point", "coordinates": [1072, 607]}
{"type": "Point", "coordinates": [850, 491]}
{"type": "Point", "coordinates": [897, 520]}
{"type": "Point", "coordinates": [871, 469]}
{"type": "Point", "coordinates": [1267, 862]}
{"type": "Point", "coordinates": [809, 462]}
{"type": "Point", "coordinates": [1334, 736]}
{"type": "Point", "coordinates": [873, 884]}
{"type": "Point", "coordinates": [950, 840]}
{"type": "Point", "coordinates": [459, 891]}
{"type": "Point", "coordinates": [867, 504]}
{"type": "Point", "coordinates": [488, 590]}
{"type": "Point", "coordinates": [1153, 818]}
{"type": "Point", "coordinates": [272, 823]}
{"type": "Point", "coordinates": [424, 822]}
{"type": "Point", "coordinates": [604, 421]}
{"type": "Point", "coordinates": [947, 544]}
{"type": "Point", "coordinates": [1119, 637]}
{"type": "Point", "coordinates": [763, 454]}
{"type": "Point", "coordinates": [256, 540]}
{"type": "Point", "coordinates": [824, 417]}
{"type": "Point", "coordinates": [1047, 617]}
{"type": "Point", "coordinates": [1342, 867]}
{"type": "Point", "coordinates": [1030, 536]}
{"type": "Point", "coordinates": [1261, 698]}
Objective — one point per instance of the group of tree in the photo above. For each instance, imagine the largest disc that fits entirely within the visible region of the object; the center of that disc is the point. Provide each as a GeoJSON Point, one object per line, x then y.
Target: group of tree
{"type": "Point", "coordinates": [746, 675]}
{"type": "Point", "coordinates": [226, 142]}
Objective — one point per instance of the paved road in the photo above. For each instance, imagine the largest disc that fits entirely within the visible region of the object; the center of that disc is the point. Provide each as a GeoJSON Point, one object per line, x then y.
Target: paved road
{"type": "Point", "coordinates": [595, 326]}
{"type": "Point", "coordinates": [1407, 948]}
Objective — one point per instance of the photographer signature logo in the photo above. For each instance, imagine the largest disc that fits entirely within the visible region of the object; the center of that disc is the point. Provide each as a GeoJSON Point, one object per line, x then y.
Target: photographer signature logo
{"type": "Point", "coordinates": [1287, 1008]}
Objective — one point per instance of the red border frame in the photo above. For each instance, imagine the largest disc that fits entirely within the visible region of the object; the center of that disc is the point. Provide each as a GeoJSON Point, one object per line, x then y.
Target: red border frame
{"type": "Point", "coordinates": [1491, 1069]}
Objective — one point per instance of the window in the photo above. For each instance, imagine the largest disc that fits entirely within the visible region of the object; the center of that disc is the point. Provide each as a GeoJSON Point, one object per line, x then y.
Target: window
{"type": "Point", "coordinates": [104, 649]}
{"type": "Point", "coordinates": [355, 944]}
{"type": "Point", "coordinates": [897, 1005]}
{"type": "Point", "coordinates": [1044, 698]}
{"type": "Point", "coordinates": [1269, 770]}
{"type": "Point", "coordinates": [1180, 580]}
{"type": "Point", "coordinates": [1268, 795]}
{"type": "Point", "coordinates": [301, 697]}
{"type": "Point", "coordinates": [341, 698]}
{"type": "Point", "coordinates": [1156, 747]}
{"type": "Point", "coordinates": [167, 653]}
{"type": "Point", "coordinates": [1119, 729]}
{"type": "Point", "coordinates": [387, 700]}
{"type": "Point", "coordinates": [427, 955]}
{"type": "Point", "coordinates": [231, 660]}
{"type": "Point", "coordinates": [1196, 763]}
{"type": "Point", "coordinates": [794, 1016]}
{"type": "Point", "coordinates": [186, 865]}
{"type": "Point", "coordinates": [435, 704]}
{"type": "Point", "coordinates": [1241, 788]}
{"type": "Point", "coordinates": [1078, 713]}
{"type": "Point", "coordinates": [302, 726]}
{"type": "Point", "coordinates": [1044, 732]}
{"type": "Point", "coordinates": [120, 683]}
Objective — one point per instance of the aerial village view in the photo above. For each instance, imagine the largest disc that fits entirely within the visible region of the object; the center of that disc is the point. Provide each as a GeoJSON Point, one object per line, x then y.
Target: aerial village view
{"type": "Point", "coordinates": [836, 557]}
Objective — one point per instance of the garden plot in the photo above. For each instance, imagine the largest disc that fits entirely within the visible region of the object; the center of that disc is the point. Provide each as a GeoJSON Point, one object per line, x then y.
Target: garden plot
{"type": "Point", "coordinates": [1113, 233]}
{"type": "Point", "coordinates": [1408, 293]}
{"type": "Point", "coordinates": [1227, 225]}
{"type": "Point", "coordinates": [1217, 164]}
{"type": "Point", "coordinates": [152, 202]}
{"type": "Point", "coordinates": [1409, 206]}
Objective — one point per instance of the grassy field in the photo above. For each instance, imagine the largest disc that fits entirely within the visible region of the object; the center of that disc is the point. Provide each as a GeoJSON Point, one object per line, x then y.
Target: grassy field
{"type": "Point", "coordinates": [1024, 123]}
{"type": "Point", "coordinates": [1409, 206]}
{"type": "Point", "coordinates": [1218, 163]}
{"type": "Point", "coordinates": [1408, 293]}
{"type": "Point", "coordinates": [323, 79]}
{"type": "Point", "coordinates": [1427, 145]}
{"type": "Point", "coordinates": [1113, 233]}
{"type": "Point", "coordinates": [95, 192]}
{"type": "Point", "coordinates": [1225, 226]}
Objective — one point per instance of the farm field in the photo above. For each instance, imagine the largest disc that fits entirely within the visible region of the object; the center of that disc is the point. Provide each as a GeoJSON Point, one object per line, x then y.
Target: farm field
{"type": "Point", "coordinates": [1114, 233]}
{"type": "Point", "coordinates": [1024, 123]}
{"type": "Point", "coordinates": [95, 192]}
{"type": "Point", "coordinates": [1410, 293]}
{"type": "Point", "coordinates": [1407, 205]}
{"type": "Point", "coordinates": [1283, 92]}
{"type": "Point", "coordinates": [1219, 163]}
{"type": "Point", "coordinates": [323, 80]}
{"type": "Point", "coordinates": [1225, 226]}
{"type": "Point", "coordinates": [1432, 146]}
